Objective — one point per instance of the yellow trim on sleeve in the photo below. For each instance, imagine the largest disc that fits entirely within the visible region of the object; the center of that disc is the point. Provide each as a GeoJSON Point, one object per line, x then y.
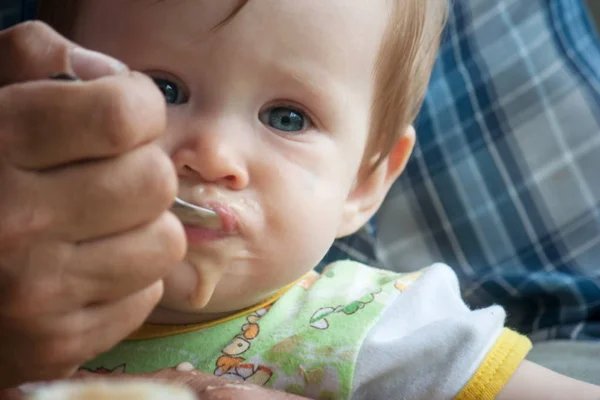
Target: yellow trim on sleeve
{"type": "Point", "coordinates": [497, 367]}
{"type": "Point", "coordinates": [154, 331]}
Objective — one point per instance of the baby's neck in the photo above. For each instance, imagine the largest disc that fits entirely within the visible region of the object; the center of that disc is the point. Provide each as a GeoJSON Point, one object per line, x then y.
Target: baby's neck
{"type": "Point", "coordinates": [167, 316]}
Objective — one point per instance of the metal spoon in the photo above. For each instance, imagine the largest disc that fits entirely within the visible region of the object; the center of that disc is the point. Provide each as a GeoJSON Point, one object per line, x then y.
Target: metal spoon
{"type": "Point", "coordinates": [197, 215]}
{"type": "Point", "coordinates": [182, 209]}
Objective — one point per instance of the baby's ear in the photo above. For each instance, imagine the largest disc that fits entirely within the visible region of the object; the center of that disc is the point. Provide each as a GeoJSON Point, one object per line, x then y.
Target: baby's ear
{"type": "Point", "coordinates": [369, 190]}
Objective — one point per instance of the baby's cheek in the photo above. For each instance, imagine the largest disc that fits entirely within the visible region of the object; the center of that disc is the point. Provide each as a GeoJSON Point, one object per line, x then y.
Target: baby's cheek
{"type": "Point", "coordinates": [313, 221]}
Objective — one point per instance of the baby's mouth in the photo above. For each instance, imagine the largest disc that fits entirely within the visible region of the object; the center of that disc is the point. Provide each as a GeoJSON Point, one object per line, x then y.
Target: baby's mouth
{"type": "Point", "coordinates": [224, 222]}
{"type": "Point", "coordinates": [228, 219]}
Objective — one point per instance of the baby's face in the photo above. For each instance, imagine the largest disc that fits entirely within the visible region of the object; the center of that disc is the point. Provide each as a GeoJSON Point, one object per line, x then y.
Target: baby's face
{"type": "Point", "coordinates": [268, 124]}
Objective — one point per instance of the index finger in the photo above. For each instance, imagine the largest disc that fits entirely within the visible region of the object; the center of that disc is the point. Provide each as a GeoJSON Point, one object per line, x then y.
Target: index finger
{"type": "Point", "coordinates": [50, 124]}
{"type": "Point", "coordinates": [34, 51]}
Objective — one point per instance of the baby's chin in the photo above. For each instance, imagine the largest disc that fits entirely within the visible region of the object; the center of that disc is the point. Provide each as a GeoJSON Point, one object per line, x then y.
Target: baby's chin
{"type": "Point", "coordinates": [188, 300]}
{"type": "Point", "coordinates": [179, 312]}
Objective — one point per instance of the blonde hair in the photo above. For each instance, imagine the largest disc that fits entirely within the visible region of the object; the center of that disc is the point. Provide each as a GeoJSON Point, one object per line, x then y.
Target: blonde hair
{"type": "Point", "coordinates": [402, 70]}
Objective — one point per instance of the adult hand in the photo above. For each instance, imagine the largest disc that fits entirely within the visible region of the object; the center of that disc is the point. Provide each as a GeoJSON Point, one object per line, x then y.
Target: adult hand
{"type": "Point", "coordinates": [85, 237]}
{"type": "Point", "coordinates": [206, 386]}
{"type": "Point", "coordinates": [209, 387]}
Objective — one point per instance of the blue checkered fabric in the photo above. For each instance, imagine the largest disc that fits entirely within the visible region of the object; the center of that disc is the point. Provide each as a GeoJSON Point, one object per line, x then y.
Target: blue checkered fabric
{"type": "Point", "coordinates": [505, 182]}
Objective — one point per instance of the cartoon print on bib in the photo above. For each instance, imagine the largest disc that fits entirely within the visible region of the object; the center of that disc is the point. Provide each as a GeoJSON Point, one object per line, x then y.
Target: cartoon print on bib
{"type": "Point", "coordinates": [232, 365]}
{"type": "Point", "coordinates": [319, 321]}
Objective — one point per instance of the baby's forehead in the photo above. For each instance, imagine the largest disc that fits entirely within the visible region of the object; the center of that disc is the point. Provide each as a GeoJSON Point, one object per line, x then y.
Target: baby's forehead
{"type": "Point", "coordinates": [211, 14]}
{"type": "Point", "coordinates": [338, 38]}
{"type": "Point", "coordinates": [342, 34]}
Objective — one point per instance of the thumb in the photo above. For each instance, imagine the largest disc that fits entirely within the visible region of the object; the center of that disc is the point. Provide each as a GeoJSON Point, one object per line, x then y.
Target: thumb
{"type": "Point", "coordinates": [88, 64]}
{"type": "Point", "coordinates": [33, 51]}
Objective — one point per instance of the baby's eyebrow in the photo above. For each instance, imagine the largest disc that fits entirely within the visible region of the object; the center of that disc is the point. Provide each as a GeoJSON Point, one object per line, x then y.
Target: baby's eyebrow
{"type": "Point", "coordinates": [238, 7]}
{"type": "Point", "coordinates": [319, 89]}
{"type": "Point", "coordinates": [309, 82]}
{"type": "Point", "coordinates": [232, 15]}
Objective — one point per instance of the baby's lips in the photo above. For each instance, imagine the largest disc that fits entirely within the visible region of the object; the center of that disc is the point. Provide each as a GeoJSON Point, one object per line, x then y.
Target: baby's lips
{"type": "Point", "coordinates": [229, 220]}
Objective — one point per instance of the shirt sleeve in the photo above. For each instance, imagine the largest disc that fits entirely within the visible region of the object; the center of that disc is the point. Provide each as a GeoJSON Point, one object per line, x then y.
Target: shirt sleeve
{"type": "Point", "coordinates": [429, 345]}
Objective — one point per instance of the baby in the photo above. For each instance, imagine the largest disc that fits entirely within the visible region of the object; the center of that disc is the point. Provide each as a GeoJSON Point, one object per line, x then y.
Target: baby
{"type": "Point", "coordinates": [291, 119]}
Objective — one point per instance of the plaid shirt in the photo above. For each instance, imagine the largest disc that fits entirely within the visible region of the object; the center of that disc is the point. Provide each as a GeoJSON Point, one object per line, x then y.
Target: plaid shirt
{"type": "Point", "coordinates": [504, 185]}
{"type": "Point", "coordinates": [501, 185]}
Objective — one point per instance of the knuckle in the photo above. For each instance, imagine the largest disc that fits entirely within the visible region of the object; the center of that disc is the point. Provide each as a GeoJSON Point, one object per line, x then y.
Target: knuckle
{"type": "Point", "coordinates": [33, 49]}
{"type": "Point", "coordinates": [172, 237]}
{"type": "Point", "coordinates": [130, 315]}
{"type": "Point", "coordinates": [27, 40]}
{"type": "Point", "coordinates": [129, 115]}
{"type": "Point", "coordinates": [160, 176]}
{"type": "Point", "coordinates": [145, 303]}
{"type": "Point", "coordinates": [23, 37]}
{"type": "Point", "coordinates": [115, 117]}
{"type": "Point", "coordinates": [154, 112]}
{"type": "Point", "coordinates": [34, 28]}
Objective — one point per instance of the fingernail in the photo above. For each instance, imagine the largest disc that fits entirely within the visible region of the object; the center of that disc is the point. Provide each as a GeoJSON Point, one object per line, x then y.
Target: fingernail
{"type": "Point", "coordinates": [88, 64]}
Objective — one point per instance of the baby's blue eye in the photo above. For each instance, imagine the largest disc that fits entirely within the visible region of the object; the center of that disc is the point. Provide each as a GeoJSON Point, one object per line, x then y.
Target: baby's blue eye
{"type": "Point", "coordinates": [284, 119]}
{"type": "Point", "coordinates": [172, 92]}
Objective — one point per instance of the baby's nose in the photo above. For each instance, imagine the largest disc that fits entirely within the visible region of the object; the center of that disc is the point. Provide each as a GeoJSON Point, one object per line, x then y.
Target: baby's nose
{"type": "Point", "coordinates": [213, 158]}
